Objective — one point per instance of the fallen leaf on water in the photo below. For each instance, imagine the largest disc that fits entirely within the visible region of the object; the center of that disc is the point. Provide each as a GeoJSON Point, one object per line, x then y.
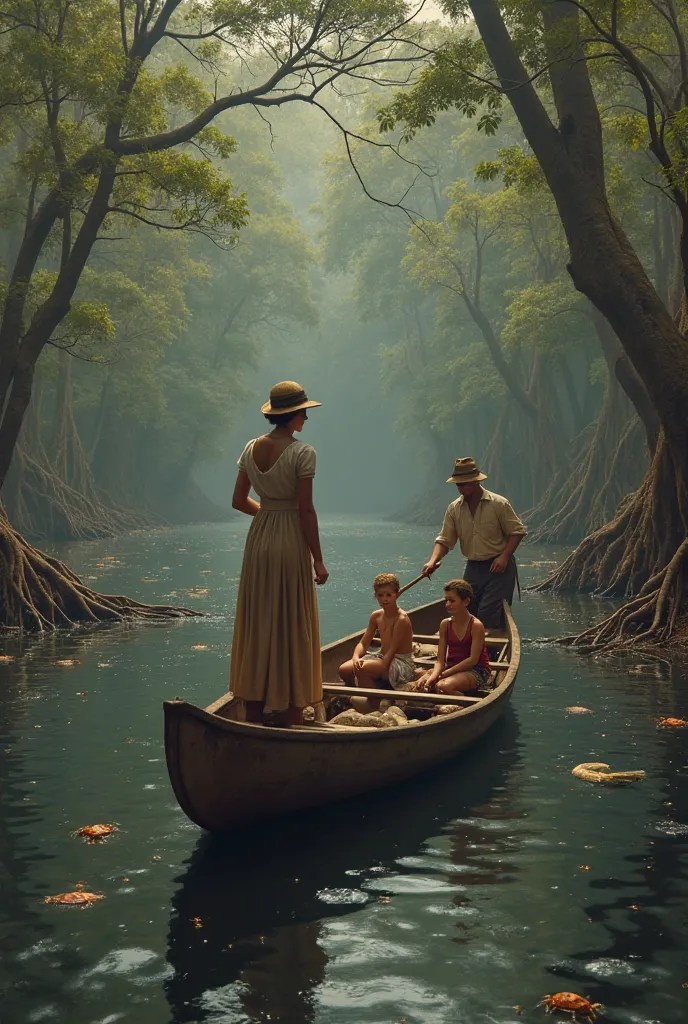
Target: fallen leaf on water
{"type": "Point", "coordinates": [156, 857]}
{"type": "Point", "coordinates": [199, 647]}
{"type": "Point", "coordinates": [125, 879]}
{"type": "Point", "coordinates": [583, 867]}
{"type": "Point", "coordinates": [673, 723]}
{"type": "Point", "coordinates": [6, 657]}
{"type": "Point", "coordinates": [110, 558]}
{"type": "Point", "coordinates": [197, 923]}
{"type": "Point", "coordinates": [67, 661]}
{"type": "Point", "coordinates": [75, 898]}
{"type": "Point", "coordinates": [206, 572]}
{"type": "Point", "coordinates": [576, 710]}
{"type": "Point", "coordinates": [100, 565]}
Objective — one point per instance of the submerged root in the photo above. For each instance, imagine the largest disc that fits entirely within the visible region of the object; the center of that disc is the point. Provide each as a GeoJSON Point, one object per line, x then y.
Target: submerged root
{"type": "Point", "coordinates": [38, 592]}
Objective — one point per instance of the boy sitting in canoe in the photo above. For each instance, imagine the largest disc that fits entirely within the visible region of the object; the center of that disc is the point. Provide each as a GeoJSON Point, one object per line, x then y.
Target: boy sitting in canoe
{"type": "Point", "coordinates": [391, 667]}
{"type": "Point", "coordinates": [463, 664]}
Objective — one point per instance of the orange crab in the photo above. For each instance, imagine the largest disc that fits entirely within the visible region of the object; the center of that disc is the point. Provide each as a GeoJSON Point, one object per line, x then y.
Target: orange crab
{"type": "Point", "coordinates": [95, 833]}
{"type": "Point", "coordinates": [74, 898]}
{"type": "Point", "coordinates": [571, 1002]}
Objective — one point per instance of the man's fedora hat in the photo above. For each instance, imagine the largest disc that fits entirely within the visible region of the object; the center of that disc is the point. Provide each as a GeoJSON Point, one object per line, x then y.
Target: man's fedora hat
{"type": "Point", "coordinates": [466, 472]}
{"type": "Point", "coordinates": [287, 396]}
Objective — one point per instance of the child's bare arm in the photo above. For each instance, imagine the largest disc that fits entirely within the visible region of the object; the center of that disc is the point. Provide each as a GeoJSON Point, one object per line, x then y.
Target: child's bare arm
{"type": "Point", "coordinates": [431, 677]}
{"type": "Point", "coordinates": [366, 640]}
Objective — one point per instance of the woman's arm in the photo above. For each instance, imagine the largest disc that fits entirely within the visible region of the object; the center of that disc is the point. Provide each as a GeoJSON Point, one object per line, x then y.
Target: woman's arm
{"type": "Point", "coordinates": [477, 644]}
{"type": "Point", "coordinates": [240, 498]}
{"type": "Point", "coordinates": [309, 525]}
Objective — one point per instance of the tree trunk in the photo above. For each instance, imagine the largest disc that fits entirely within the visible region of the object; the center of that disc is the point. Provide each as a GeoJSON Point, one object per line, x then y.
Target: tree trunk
{"type": "Point", "coordinates": [637, 552]}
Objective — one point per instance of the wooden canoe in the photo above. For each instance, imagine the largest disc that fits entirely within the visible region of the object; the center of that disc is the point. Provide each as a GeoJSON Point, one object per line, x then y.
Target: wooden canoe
{"type": "Point", "coordinates": [227, 774]}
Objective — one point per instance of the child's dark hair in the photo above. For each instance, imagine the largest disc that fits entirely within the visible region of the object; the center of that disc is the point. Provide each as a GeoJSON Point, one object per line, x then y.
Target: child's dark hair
{"type": "Point", "coordinates": [460, 587]}
{"type": "Point", "coordinates": [281, 419]}
{"type": "Point", "coordinates": [386, 579]}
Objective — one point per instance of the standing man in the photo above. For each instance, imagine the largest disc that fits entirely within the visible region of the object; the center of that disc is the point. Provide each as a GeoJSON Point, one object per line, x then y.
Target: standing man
{"type": "Point", "coordinates": [489, 531]}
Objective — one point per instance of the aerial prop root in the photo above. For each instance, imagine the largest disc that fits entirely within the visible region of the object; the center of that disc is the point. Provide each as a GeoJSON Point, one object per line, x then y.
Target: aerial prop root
{"type": "Point", "coordinates": [649, 618]}
{"type": "Point", "coordinates": [39, 592]}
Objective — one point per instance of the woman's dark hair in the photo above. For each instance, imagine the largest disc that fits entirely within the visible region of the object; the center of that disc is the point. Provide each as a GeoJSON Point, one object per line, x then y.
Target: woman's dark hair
{"type": "Point", "coordinates": [281, 419]}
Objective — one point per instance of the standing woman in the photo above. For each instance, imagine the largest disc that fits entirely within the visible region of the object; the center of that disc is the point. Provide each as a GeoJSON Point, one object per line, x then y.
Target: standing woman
{"type": "Point", "coordinates": [275, 664]}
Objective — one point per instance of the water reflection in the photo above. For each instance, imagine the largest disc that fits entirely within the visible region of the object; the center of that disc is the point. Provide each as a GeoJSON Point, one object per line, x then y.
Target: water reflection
{"type": "Point", "coordinates": [245, 939]}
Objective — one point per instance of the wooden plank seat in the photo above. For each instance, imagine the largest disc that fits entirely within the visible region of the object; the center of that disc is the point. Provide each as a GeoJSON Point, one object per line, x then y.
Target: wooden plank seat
{"type": "Point", "coordinates": [422, 638]}
{"type": "Point", "coordinates": [496, 666]}
{"type": "Point", "coordinates": [409, 695]}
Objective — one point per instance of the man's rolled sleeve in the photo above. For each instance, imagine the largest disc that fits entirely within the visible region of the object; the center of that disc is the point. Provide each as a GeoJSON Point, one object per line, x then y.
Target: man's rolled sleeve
{"type": "Point", "coordinates": [448, 534]}
{"type": "Point", "coordinates": [511, 524]}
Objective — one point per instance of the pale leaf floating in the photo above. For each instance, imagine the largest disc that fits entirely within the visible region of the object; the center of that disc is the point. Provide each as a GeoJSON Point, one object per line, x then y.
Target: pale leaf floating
{"type": "Point", "coordinates": [672, 723]}
{"type": "Point", "coordinates": [597, 771]}
{"type": "Point", "coordinates": [576, 710]}
{"type": "Point", "coordinates": [199, 647]}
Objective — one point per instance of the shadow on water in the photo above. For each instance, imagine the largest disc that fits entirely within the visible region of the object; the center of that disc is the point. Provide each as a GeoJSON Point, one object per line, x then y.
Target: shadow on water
{"type": "Point", "coordinates": [20, 924]}
{"type": "Point", "coordinates": [245, 929]}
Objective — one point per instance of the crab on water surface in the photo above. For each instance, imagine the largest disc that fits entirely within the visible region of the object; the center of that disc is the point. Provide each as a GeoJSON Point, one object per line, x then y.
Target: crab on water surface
{"type": "Point", "coordinates": [571, 1002]}
{"type": "Point", "coordinates": [95, 833]}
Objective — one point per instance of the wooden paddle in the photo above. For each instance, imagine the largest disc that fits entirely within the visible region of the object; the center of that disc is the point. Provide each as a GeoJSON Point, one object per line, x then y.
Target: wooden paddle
{"type": "Point", "coordinates": [413, 583]}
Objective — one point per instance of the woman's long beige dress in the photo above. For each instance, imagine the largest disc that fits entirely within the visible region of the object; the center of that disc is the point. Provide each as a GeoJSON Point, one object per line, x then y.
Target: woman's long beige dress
{"type": "Point", "coordinates": [276, 644]}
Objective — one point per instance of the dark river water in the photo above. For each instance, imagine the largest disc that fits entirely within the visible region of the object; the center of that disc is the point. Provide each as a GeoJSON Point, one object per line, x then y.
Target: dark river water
{"type": "Point", "coordinates": [462, 896]}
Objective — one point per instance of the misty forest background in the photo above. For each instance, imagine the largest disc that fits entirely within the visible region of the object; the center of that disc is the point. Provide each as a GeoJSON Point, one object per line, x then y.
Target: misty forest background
{"type": "Point", "coordinates": [436, 322]}
{"type": "Point", "coordinates": [464, 336]}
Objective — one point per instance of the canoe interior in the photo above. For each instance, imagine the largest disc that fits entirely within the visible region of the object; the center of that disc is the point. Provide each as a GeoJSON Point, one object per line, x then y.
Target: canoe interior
{"type": "Point", "coordinates": [227, 773]}
{"type": "Point", "coordinates": [426, 621]}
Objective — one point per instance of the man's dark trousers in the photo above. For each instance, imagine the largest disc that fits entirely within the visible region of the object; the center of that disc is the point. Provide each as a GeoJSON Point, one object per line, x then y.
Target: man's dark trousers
{"type": "Point", "coordinates": [489, 590]}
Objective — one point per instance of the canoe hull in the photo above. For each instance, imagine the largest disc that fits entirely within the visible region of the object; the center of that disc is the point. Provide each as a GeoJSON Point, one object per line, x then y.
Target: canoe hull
{"type": "Point", "coordinates": [228, 774]}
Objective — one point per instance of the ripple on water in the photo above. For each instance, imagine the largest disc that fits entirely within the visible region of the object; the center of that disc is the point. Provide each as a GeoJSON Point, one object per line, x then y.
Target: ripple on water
{"type": "Point", "coordinates": [129, 963]}
{"type": "Point", "coordinates": [671, 828]}
{"type": "Point", "coordinates": [411, 885]}
{"type": "Point", "coordinates": [608, 967]}
{"type": "Point", "coordinates": [342, 896]}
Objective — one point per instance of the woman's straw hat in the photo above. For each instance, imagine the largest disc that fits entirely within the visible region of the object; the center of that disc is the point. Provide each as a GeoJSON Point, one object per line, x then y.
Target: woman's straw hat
{"type": "Point", "coordinates": [287, 396]}
{"type": "Point", "coordinates": [466, 472]}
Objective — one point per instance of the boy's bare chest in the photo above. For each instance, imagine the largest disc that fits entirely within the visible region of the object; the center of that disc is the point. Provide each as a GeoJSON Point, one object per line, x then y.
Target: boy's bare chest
{"type": "Point", "coordinates": [385, 627]}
